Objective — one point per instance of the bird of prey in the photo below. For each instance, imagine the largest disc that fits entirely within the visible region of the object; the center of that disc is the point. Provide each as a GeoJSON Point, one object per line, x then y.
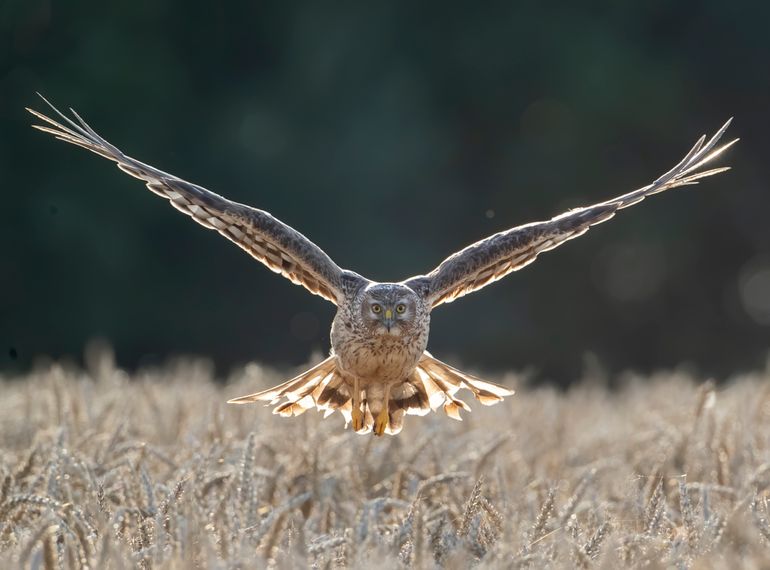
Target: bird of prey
{"type": "Point", "coordinates": [378, 369]}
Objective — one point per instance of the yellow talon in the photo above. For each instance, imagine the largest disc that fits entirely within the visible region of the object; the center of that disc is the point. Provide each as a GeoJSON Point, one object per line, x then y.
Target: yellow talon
{"type": "Point", "coordinates": [382, 421]}
{"type": "Point", "coordinates": [357, 419]}
{"type": "Point", "coordinates": [383, 418]}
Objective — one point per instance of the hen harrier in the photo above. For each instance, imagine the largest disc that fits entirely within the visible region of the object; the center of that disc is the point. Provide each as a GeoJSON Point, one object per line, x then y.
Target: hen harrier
{"type": "Point", "coordinates": [378, 369]}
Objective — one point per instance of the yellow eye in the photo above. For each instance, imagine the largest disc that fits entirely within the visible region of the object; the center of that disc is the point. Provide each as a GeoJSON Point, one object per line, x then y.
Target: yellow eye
{"type": "Point", "coordinates": [377, 309]}
{"type": "Point", "coordinates": [401, 309]}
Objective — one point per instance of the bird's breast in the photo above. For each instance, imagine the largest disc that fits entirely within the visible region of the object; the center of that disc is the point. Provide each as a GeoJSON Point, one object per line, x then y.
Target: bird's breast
{"type": "Point", "coordinates": [380, 357]}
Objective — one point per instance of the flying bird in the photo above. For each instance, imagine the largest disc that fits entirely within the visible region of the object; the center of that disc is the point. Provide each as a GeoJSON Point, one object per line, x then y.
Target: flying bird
{"type": "Point", "coordinates": [378, 369]}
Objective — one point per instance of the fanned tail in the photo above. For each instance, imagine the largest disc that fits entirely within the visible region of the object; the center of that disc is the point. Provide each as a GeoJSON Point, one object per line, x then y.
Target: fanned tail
{"type": "Point", "coordinates": [435, 383]}
{"type": "Point", "coordinates": [294, 390]}
{"type": "Point", "coordinates": [320, 387]}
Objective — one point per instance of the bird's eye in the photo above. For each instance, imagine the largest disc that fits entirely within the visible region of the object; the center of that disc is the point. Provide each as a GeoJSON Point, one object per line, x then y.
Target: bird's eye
{"type": "Point", "coordinates": [401, 308]}
{"type": "Point", "coordinates": [377, 309]}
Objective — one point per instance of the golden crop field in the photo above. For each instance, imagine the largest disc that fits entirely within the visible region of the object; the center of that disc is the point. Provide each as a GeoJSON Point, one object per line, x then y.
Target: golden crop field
{"type": "Point", "coordinates": [103, 470]}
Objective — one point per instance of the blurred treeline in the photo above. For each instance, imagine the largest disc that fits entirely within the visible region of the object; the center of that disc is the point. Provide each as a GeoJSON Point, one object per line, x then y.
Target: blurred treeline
{"type": "Point", "coordinates": [392, 134]}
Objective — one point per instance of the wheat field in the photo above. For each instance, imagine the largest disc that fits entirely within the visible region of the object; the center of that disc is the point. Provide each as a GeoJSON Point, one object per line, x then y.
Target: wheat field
{"type": "Point", "coordinates": [102, 470]}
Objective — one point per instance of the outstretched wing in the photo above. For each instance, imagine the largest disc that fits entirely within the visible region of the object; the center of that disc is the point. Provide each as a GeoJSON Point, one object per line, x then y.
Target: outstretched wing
{"type": "Point", "coordinates": [496, 256]}
{"type": "Point", "coordinates": [280, 247]}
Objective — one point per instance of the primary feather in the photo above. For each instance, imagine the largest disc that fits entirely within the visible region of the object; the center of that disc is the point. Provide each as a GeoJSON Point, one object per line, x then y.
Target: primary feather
{"type": "Point", "coordinates": [495, 257]}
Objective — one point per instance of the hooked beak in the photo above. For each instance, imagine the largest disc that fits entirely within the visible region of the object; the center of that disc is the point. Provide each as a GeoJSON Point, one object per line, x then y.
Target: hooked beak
{"type": "Point", "coordinates": [388, 319]}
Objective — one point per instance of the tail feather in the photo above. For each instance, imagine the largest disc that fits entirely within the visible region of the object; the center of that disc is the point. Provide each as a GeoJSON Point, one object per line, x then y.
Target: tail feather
{"type": "Point", "coordinates": [449, 380]}
{"type": "Point", "coordinates": [395, 422]}
{"type": "Point", "coordinates": [432, 385]}
{"type": "Point", "coordinates": [411, 397]}
{"type": "Point", "coordinates": [345, 409]}
{"type": "Point", "coordinates": [435, 389]}
{"type": "Point", "coordinates": [318, 390]}
{"type": "Point", "coordinates": [297, 408]}
{"type": "Point", "coordinates": [453, 407]}
{"type": "Point", "coordinates": [291, 388]}
{"type": "Point", "coordinates": [487, 393]}
{"type": "Point", "coordinates": [333, 393]}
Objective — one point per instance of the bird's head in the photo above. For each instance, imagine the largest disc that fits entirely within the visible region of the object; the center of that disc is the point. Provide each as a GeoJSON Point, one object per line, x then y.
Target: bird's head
{"type": "Point", "coordinates": [389, 308]}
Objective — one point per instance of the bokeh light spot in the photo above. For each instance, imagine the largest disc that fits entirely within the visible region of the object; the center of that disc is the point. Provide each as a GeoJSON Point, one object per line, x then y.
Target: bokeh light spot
{"type": "Point", "coordinates": [754, 288]}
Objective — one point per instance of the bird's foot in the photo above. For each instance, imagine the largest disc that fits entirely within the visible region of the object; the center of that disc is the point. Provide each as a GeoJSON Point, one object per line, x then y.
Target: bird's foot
{"type": "Point", "coordinates": [381, 422]}
{"type": "Point", "coordinates": [357, 419]}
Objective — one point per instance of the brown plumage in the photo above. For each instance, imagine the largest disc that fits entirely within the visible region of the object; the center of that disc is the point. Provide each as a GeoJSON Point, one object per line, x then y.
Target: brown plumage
{"type": "Point", "coordinates": [379, 369]}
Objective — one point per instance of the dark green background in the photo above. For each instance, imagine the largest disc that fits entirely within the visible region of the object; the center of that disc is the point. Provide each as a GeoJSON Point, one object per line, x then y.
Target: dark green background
{"type": "Point", "coordinates": [389, 133]}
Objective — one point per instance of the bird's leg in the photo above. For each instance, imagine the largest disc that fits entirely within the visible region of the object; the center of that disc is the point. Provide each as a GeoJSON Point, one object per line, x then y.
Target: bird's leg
{"type": "Point", "coordinates": [356, 414]}
{"type": "Point", "coordinates": [383, 418]}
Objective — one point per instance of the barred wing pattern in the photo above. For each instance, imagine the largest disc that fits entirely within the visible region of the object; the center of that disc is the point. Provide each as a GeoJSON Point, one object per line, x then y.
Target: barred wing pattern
{"type": "Point", "coordinates": [495, 257]}
{"type": "Point", "coordinates": [267, 239]}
